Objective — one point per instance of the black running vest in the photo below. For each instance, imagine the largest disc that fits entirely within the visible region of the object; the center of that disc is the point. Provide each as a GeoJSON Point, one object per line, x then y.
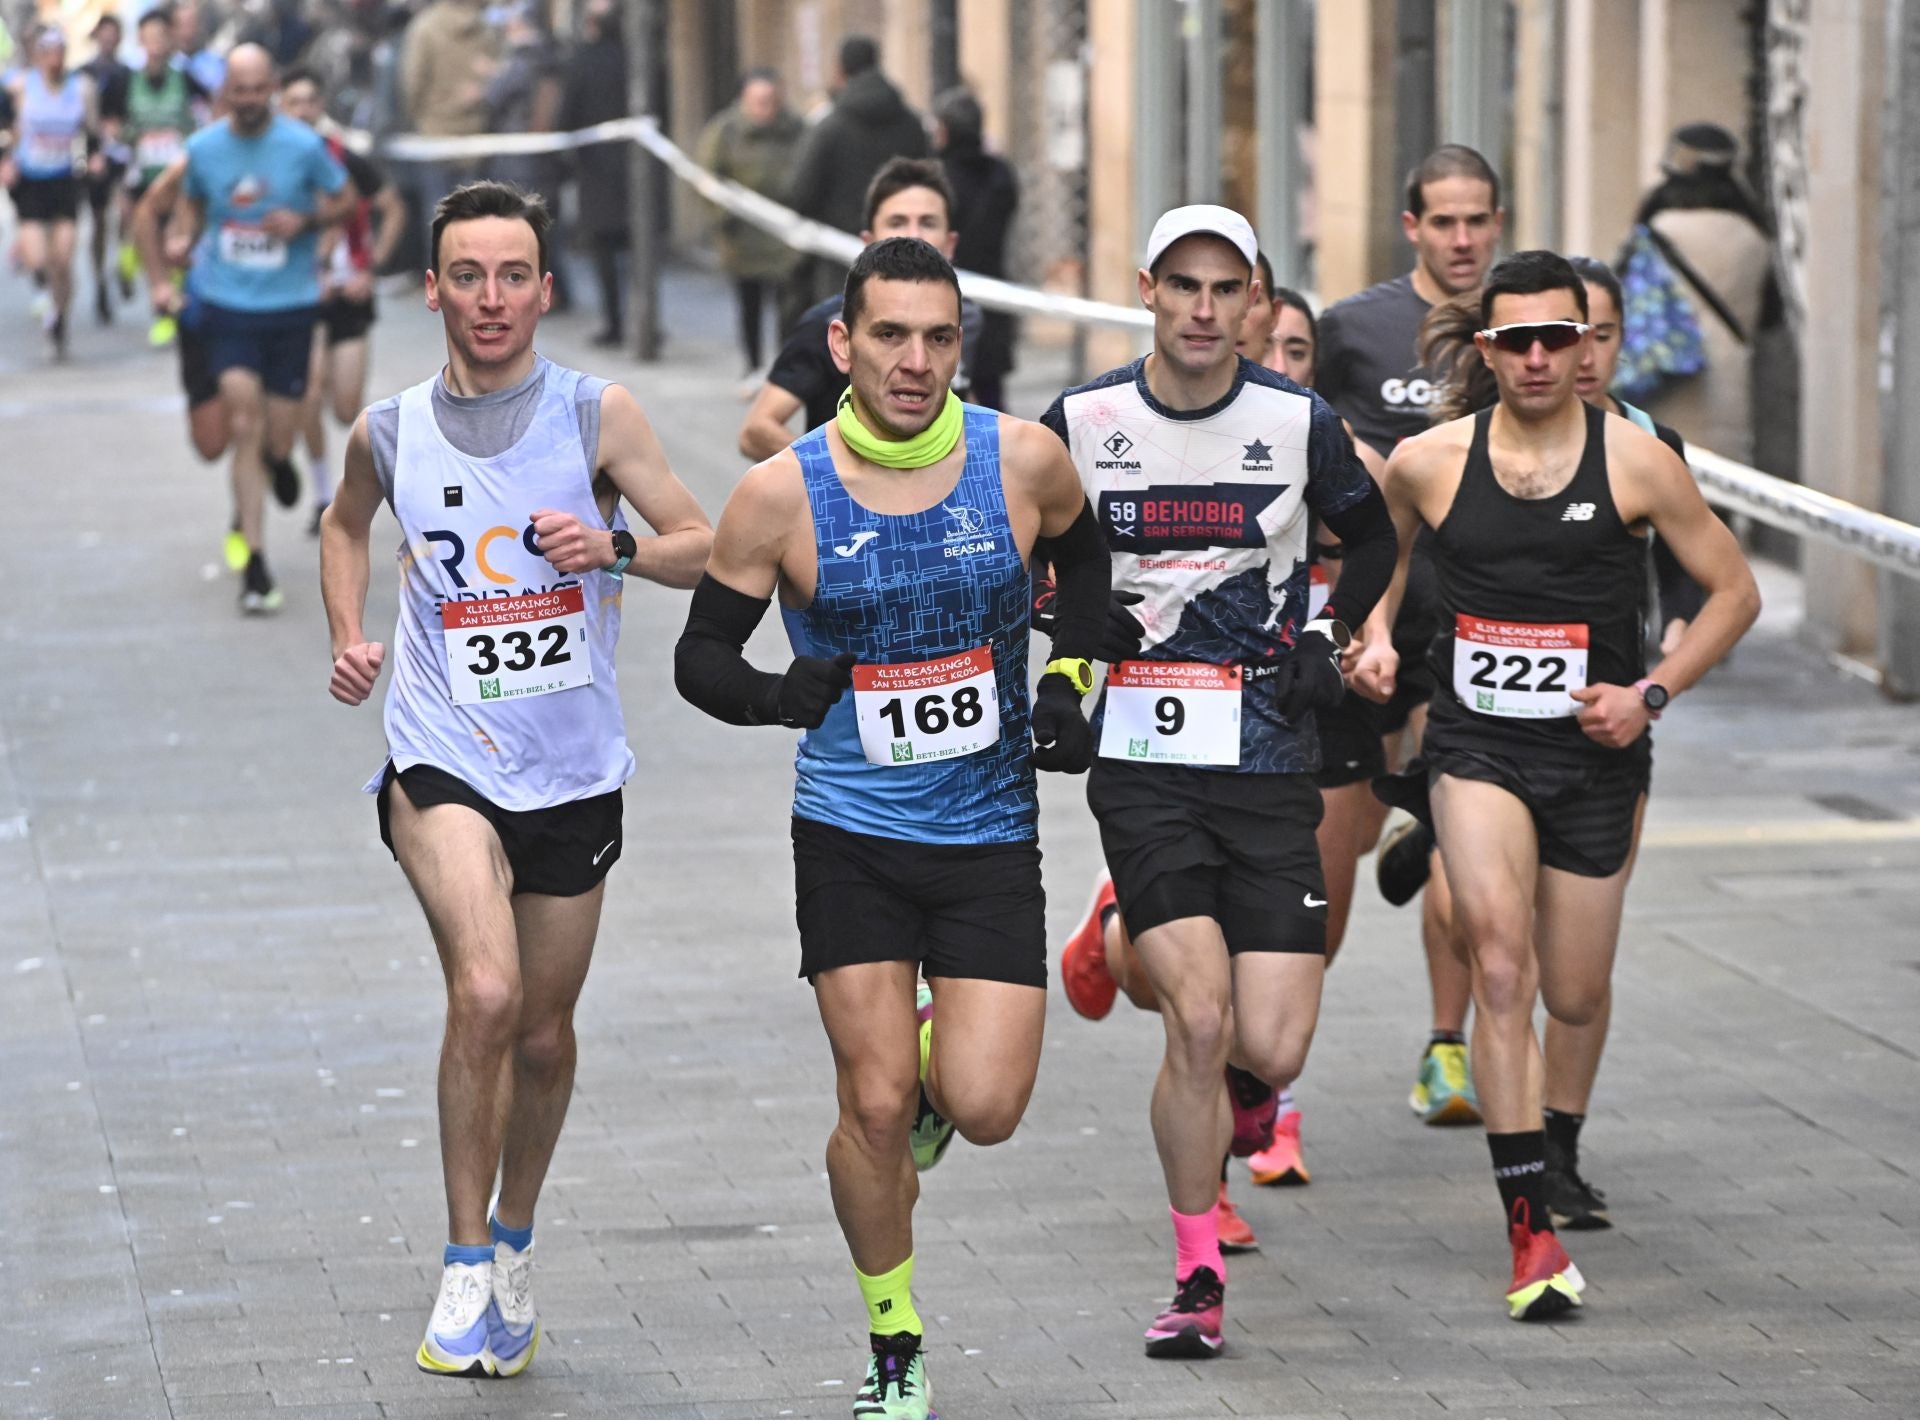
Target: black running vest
{"type": "Point", "coordinates": [1523, 582]}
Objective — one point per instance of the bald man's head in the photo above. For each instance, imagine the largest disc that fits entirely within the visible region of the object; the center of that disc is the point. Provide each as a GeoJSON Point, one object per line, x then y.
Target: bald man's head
{"type": "Point", "coordinates": [249, 88]}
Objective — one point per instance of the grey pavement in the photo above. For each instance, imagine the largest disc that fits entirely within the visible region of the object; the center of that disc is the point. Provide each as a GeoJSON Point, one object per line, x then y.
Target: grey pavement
{"type": "Point", "coordinates": [219, 1013]}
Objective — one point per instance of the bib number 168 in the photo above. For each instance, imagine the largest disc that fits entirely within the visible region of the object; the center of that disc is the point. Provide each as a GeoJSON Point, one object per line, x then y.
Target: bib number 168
{"type": "Point", "coordinates": [932, 713]}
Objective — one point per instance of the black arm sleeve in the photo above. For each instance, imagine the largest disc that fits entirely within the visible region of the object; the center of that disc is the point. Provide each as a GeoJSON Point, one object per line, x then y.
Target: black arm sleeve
{"type": "Point", "coordinates": [1083, 579]}
{"type": "Point", "coordinates": [1372, 548]}
{"type": "Point", "coordinates": [709, 669]}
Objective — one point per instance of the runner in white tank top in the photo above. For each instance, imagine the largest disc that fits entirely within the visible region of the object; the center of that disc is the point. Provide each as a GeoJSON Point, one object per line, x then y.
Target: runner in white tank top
{"type": "Point", "coordinates": [506, 747]}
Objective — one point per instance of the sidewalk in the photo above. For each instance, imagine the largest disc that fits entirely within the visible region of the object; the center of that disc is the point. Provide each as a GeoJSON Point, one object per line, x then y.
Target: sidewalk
{"type": "Point", "coordinates": [219, 1013]}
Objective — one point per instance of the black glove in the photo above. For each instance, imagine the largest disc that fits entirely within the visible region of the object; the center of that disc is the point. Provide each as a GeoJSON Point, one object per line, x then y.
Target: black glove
{"type": "Point", "coordinates": [1121, 638]}
{"type": "Point", "coordinates": [1062, 738]}
{"type": "Point", "coordinates": [810, 687]}
{"type": "Point", "coordinates": [1309, 679]}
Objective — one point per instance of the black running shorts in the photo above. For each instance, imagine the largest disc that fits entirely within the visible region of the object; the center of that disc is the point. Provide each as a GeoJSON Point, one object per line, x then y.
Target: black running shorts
{"type": "Point", "coordinates": [959, 909]}
{"type": "Point", "coordinates": [561, 851]}
{"type": "Point", "coordinates": [1582, 809]}
{"type": "Point", "coordinates": [54, 199]}
{"type": "Point", "coordinates": [345, 320]}
{"type": "Point", "coordinates": [1352, 747]}
{"type": "Point", "coordinates": [1239, 848]}
{"type": "Point", "coordinates": [196, 374]}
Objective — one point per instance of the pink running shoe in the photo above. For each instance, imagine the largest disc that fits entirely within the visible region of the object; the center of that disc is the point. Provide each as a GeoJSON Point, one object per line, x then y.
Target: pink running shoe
{"type": "Point", "coordinates": [1189, 1330]}
{"type": "Point", "coordinates": [1280, 1164]}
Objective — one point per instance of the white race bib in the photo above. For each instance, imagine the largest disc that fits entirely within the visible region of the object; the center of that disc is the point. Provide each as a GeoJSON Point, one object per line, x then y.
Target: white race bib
{"type": "Point", "coordinates": [156, 149]}
{"type": "Point", "coordinates": [250, 248]}
{"type": "Point", "coordinates": [1523, 670]}
{"type": "Point", "coordinates": [1172, 712]}
{"type": "Point", "coordinates": [925, 710]}
{"type": "Point", "coordinates": [45, 152]}
{"type": "Point", "coordinates": [507, 648]}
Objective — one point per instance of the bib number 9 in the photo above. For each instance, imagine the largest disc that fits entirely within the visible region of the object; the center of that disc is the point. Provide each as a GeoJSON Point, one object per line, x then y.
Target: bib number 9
{"type": "Point", "coordinates": [1170, 712]}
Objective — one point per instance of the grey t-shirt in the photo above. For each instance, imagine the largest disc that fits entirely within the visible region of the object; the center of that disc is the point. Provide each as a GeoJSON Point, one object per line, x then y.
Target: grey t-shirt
{"type": "Point", "coordinates": [486, 425]}
{"type": "Point", "coordinates": [1366, 367]}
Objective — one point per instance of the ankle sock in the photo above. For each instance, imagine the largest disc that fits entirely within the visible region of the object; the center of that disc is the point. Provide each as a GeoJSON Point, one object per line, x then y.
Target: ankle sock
{"type": "Point", "coordinates": [1446, 1037]}
{"type": "Point", "coordinates": [1196, 1243]}
{"type": "Point", "coordinates": [889, 1299]}
{"type": "Point", "coordinates": [471, 1256]}
{"type": "Point", "coordinates": [1563, 1132]}
{"type": "Point", "coordinates": [519, 1239]}
{"type": "Point", "coordinates": [1520, 1170]}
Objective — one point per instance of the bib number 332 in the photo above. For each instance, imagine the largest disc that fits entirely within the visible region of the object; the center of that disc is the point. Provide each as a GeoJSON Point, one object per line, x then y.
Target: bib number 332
{"type": "Point", "coordinates": [925, 710]}
{"type": "Point", "coordinates": [509, 648]}
{"type": "Point", "coordinates": [1522, 670]}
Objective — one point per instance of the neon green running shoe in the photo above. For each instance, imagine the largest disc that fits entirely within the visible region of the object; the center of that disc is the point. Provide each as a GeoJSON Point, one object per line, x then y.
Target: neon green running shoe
{"type": "Point", "coordinates": [129, 265]}
{"type": "Point", "coordinates": [236, 551]}
{"type": "Point", "coordinates": [932, 1131]}
{"type": "Point", "coordinates": [1443, 1093]}
{"type": "Point", "coordinates": [896, 1384]}
{"type": "Point", "coordinates": [163, 332]}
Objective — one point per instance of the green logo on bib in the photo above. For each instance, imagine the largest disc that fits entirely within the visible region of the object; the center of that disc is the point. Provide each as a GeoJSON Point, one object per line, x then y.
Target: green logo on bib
{"type": "Point", "coordinates": [1136, 749]}
{"type": "Point", "coordinates": [490, 689]}
{"type": "Point", "coordinates": [903, 751]}
{"type": "Point", "coordinates": [1483, 700]}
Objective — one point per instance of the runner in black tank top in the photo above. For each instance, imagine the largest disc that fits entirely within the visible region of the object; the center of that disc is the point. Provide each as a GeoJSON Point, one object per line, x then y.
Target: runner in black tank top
{"type": "Point", "coordinates": [1563, 560]}
{"type": "Point", "coordinates": [1537, 748]}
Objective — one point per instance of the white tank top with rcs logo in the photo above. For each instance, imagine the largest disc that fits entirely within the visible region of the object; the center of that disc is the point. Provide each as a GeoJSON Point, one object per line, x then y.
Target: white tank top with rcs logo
{"type": "Point", "coordinates": [503, 669]}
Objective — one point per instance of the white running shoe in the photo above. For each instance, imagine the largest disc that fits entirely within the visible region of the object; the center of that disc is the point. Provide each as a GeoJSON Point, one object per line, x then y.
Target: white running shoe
{"type": "Point", "coordinates": [456, 1341]}
{"type": "Point", "coordinates": [513, 1330]}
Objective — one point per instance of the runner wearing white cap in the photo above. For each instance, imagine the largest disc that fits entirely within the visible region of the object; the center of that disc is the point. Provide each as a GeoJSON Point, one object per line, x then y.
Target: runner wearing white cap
{"type": "Point", "coordinates": [1203, 469]}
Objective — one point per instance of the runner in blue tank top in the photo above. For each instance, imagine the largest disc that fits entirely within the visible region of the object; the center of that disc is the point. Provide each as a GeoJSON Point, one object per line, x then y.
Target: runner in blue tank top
{"type": "Point", "coordinates": [898, 538]}
{"type": "Point", "coordinates": [1537, 749]}
{"type": "Point", "coordinates": [506, 746]}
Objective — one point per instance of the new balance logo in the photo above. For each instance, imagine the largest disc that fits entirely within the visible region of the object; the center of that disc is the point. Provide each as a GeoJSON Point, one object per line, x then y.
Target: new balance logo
{"type": "Point", "coordinates": [1578, 513]}
{"type": "Point", "coordinates": [860, 540]}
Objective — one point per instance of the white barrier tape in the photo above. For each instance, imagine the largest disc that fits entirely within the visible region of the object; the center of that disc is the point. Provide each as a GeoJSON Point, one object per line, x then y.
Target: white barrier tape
{"type": "Point", "coordinates": [1884, 541]}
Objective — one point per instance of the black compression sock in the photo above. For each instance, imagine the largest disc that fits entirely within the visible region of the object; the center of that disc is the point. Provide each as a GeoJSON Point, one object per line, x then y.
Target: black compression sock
{"type": "Point", "coordinates": [1563, 1132]}
{"type": "Point", "coordinates": [1446, 1037]}
{"type": "Point", "coordinates": [1520, 1169]}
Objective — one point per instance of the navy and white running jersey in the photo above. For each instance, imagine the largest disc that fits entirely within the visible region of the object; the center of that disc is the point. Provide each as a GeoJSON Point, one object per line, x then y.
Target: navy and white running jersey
{"type": "Point", "coordinates": [1206, 511]}
{"type": "Point", "coordinates": [894, 590]}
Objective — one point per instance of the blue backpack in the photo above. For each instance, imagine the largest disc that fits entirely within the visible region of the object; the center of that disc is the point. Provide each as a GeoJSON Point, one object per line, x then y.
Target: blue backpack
{"type": "Point", "coordinates": [1660, 340]}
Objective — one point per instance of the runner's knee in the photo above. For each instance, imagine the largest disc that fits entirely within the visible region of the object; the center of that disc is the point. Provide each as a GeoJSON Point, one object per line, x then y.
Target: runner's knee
{"type": "Point", "coordinates": [1504, 982]}
{"type": "Point", "coordinates": [877, 1111]}
{"type": "Point", "coordinates": [1198, 1031]}
{"type": "Point", "coordinates": [485, 1003]}
{"type": "Point", "coordinates": [546, 1046]}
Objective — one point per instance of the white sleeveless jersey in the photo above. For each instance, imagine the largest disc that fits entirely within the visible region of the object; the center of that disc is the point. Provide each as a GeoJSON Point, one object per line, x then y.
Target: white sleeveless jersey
{"type": "Point", "coordinates": [466, 539]}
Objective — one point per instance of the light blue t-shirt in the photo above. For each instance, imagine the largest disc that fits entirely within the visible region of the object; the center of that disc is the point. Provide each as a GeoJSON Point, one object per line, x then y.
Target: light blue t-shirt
{"type": "Point", "coordinates": [238, 181]}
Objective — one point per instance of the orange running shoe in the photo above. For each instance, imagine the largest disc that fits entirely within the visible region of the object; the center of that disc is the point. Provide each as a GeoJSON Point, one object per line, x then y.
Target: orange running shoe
{"type": "Point", "coordinates": [1545, 1281]}
{"type": "Point", "coordinates": [1090, 987]}
{"type": "Point", "coordinates": [1236, 1233]}
{"type": "Point", "coordinates": [1280, 1164]}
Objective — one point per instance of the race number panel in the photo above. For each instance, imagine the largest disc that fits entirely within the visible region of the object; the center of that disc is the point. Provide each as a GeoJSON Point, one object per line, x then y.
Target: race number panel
{"type": "Point", "coordinates": [919, 711]}
{"type": "Point", "coordinates": [1523, 670]}
{"type": "Point", "coordinates": [508, 648]}
{"type": "Point", "coordinates": [251, 248]}
{"type": "Point", "coordinates": [1172, 712]}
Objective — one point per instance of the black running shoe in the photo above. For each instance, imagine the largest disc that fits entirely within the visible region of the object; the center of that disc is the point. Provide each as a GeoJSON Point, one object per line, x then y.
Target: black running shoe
{"type": "Point", "coordinates": [1404, 863]}
{"type": "Point", "coordinates": [258, 595]}
{"type": "Point", "coordinates": [286, 481]}
{"type": "Point", "coordinates": [1572, 1202]}
{"type": "Point", "coordinates": [102, 304]}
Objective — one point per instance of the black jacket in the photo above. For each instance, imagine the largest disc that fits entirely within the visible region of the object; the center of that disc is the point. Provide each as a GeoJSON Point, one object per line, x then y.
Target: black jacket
{"type": "Point", "coordinates": [596, 92]}
{"type": "Point", "coordinates": [870, 123]}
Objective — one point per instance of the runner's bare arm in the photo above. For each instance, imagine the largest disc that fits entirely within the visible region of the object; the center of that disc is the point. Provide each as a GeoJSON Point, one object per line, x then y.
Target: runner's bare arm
{"type": "Point", "coordinates": [149, 219]}
{"type": "Point", "coordinates": [1376, 669]}
{"type": "Point", "coordinates": [760, 531]}
{"type": "Point", "coordinates": [765, 432]}
{"type": "Point", "coordinates": [390, 221]}
{"type": "Point", "coordinates": [1660, 488]}
{"type": "Point", "coordinates": [633, 461]}
{"type": "Point", "coordinates": [344, 530]}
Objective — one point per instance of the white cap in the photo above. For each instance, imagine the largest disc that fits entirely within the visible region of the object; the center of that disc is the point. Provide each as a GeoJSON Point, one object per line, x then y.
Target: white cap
{"type": "Point", "coordinates": [1203, 217]}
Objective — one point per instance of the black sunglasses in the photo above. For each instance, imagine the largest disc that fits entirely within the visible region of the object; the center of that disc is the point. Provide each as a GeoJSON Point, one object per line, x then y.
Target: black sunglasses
{"type": "Point", "coordinates": [1519, 339]}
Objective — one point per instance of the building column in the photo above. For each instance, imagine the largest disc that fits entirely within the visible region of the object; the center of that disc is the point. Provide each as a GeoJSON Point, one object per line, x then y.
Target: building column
{"type": "Point", "coordinates": [1114, 237]}
{"type": "Point", "coordinates": [1600, 138]}
{"type": "Point", "coordinates": [986, 65]}
{"type": "Point", "coordinates": [1357, 209]}
{"type": "Point", "coordinates": [1536, 123]}
{"type": "Point", "coordinates": [1840, 444]}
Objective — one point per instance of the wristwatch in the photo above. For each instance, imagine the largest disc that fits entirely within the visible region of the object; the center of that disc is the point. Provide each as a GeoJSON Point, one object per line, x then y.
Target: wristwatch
{"type": "Point", "coordinates": [623, 549]}
{"type": "Point", "coordinates": [1653, 695]}
{"type": "Point", "coordinates": [1334, 630]}
{"type": "Point", "coordinates": [1079, 673]}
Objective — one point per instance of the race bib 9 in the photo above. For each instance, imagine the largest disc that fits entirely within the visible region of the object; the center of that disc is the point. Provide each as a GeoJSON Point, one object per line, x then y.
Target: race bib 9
{"type": "Point", "coordinates": [250, 248]}
{"type": "Point", "coordinates": [1172, 712]}
{"type": "Point", "coordinates": [1523, 670]}
{"type": "Point", "coordinates": [919, 711]}
{"type": "Point", "coordinates": [508, 648]}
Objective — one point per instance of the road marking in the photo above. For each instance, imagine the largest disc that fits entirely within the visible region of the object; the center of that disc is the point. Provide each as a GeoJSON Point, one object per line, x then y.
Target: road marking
{"type": "Point", "coordinates": [1783, 833]}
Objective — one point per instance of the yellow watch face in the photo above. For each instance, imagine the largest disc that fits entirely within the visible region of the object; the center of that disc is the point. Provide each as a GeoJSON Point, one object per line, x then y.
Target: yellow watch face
{"type": "Point", "coordinates": [1078, 671]}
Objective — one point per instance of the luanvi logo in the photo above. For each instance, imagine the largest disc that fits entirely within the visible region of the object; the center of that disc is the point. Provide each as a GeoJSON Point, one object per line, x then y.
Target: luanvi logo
{"type": "Point", "coordinates": [860, 540]}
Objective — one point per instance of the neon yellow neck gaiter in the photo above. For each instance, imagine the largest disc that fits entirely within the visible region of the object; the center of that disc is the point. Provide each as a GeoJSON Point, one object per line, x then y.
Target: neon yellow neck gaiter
{"type": "Point", "coordinates": [929, 446]}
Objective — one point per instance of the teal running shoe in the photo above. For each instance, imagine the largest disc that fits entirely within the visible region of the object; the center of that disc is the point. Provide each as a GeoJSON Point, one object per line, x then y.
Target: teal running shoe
{"type": "Point", "coordinates": [1443, 1094]}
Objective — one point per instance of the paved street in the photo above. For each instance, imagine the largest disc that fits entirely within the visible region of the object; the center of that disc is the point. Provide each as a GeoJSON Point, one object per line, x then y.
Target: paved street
{"type": "Point", "coordinates": [219, 1012]}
